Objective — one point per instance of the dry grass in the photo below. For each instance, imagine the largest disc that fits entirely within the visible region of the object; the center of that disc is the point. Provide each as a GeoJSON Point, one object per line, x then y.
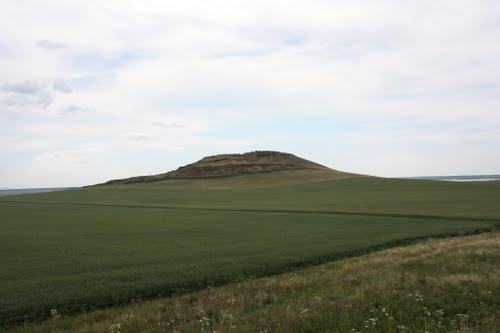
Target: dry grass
{"type": "Point", "coordinates": [447, 285]}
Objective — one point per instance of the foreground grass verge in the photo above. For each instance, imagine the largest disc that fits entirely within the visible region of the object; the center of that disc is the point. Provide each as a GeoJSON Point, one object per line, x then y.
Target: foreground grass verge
{"type": "Point", "coordinates": [445, 285]}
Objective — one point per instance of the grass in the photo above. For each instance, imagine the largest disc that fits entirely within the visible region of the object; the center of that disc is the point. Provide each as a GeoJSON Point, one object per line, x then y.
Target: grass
{"type": "Point", "coordinates": [244, 181]}
{"type": "Point", "coordinates": [77, 250]}
{"type": "Point", "coordinates": [361, 194]}
{"type": "Point", "coordinates": [446, 285]}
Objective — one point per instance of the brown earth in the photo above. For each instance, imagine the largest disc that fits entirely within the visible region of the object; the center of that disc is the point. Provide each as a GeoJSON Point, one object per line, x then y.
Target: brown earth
{"type": "Point", "coordinates": [230, 165]}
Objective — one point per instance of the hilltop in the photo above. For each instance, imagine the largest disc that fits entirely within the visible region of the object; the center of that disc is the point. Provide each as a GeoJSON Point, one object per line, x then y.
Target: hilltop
{"type": "Point", "coordinates": [231, 165]}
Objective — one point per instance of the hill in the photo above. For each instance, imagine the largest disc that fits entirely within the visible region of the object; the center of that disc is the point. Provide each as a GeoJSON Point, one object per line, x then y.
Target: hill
{"type": "Point", "coordinates": [446, 285]}
{"type": "Point", "coordinates": [231, 165]}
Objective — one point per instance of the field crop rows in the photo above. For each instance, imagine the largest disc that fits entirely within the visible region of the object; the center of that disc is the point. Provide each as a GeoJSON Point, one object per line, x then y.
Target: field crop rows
{"type": "Point", "coordinates": [95, 247]}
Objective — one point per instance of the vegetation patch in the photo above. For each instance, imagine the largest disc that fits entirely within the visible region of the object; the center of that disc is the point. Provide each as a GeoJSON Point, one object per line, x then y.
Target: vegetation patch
{"type": "Point", "coordinates": [446, 285]}
{"type": "Point", "coordinates": [83, 249]}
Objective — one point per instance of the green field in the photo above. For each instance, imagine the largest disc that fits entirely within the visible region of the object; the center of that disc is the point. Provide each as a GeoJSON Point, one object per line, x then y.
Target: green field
{"type": "Point", "coordinates": [93, 247]}
{"type": "Point", "coordinates": [359, 194]}
{"type": "Point", "coordinates": [439, 285]}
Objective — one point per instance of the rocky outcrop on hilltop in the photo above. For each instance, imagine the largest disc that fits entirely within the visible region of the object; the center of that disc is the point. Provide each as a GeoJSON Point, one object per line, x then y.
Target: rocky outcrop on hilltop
{"type": "Point", "coordinates": [230, 165]}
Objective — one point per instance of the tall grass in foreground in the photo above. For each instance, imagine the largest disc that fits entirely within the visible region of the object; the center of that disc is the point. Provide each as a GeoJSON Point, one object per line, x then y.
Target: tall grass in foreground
{"type": "Point", "coordinates": [447, 285]}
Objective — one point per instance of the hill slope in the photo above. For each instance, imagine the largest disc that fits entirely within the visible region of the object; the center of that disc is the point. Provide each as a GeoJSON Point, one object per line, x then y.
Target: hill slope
{"type": "Point", "coordinates": [231, 165]}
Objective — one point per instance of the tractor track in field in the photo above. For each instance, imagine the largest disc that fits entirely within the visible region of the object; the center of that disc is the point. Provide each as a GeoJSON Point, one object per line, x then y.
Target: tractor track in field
{"type": "Point", "coordinates": [270, 211]}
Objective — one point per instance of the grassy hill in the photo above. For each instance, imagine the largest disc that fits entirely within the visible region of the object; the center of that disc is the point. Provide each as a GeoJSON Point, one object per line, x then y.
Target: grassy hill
{"type": "Point", "coordinates": [447, 285]}
{"type": "Point", "coordinates": [238, 182]}
{"type": "Point", "coordinates": [111, 244]}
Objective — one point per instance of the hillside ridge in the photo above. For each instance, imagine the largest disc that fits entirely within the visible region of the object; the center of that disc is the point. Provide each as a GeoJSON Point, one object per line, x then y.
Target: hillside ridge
{"type": "Point", "coordinates": [230, 165]}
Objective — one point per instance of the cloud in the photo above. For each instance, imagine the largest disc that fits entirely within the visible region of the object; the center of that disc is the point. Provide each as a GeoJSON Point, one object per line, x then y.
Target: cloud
{"type": "Point", "coordinates": [139, 137]}
{"type": "Point", "coordinates": [54, 166]}
{"type": "Point", "coordinates": [62, 86]}
{"type": "Point", "coordinates": [35, 94]}
{"type": "Point", "coordinates": [25, 93]}
{"type": "Point", "coordinates": [75, 109]}
{"type": "Point", "coordinates": [248, 75]}
{"type": "Point", "coordinates": [27, 100]}
{"type": "Point", "coordinates": [166, 125]}
{"type": "Point", "coordinates": [65, 156]}
{"type": "Point", "coordinates": [50, 45]}
{"type": "Point", "coordinates": [25, 87]}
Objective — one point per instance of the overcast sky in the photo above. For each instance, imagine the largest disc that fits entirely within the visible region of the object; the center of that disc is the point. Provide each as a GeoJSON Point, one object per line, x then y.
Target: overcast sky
{"type": "Point", "coordinates": [93, 90]}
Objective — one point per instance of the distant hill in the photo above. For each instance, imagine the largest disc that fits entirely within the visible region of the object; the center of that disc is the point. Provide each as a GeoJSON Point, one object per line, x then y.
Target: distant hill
{"type": "Point", "coordinates": [231, 165]}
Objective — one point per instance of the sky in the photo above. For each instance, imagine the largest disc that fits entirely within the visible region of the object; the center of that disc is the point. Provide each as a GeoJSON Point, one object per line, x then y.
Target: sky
{"type": "Point", "coordinates": [95, 90]}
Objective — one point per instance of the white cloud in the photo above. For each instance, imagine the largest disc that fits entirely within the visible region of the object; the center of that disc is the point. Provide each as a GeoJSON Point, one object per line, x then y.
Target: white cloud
{"type": "Point", "coordinates": [75, 109]}
{"type": "Point", "coordinates": [62, 86]}
{"type": "Point", "coordinates": [166, 125]}
{"type": "Point", "coordinates": [25, 93]}
{"type": "Point", "coordinates": [68, 157]}
{"type": "Point", "coordinates": [26, 88]}
{"type": "Point", "coordinates": [188, 74]}
{"type": "Point", "coordinates": [139, 137]}
{"type": "Point", "coordinates": [49, 45]}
